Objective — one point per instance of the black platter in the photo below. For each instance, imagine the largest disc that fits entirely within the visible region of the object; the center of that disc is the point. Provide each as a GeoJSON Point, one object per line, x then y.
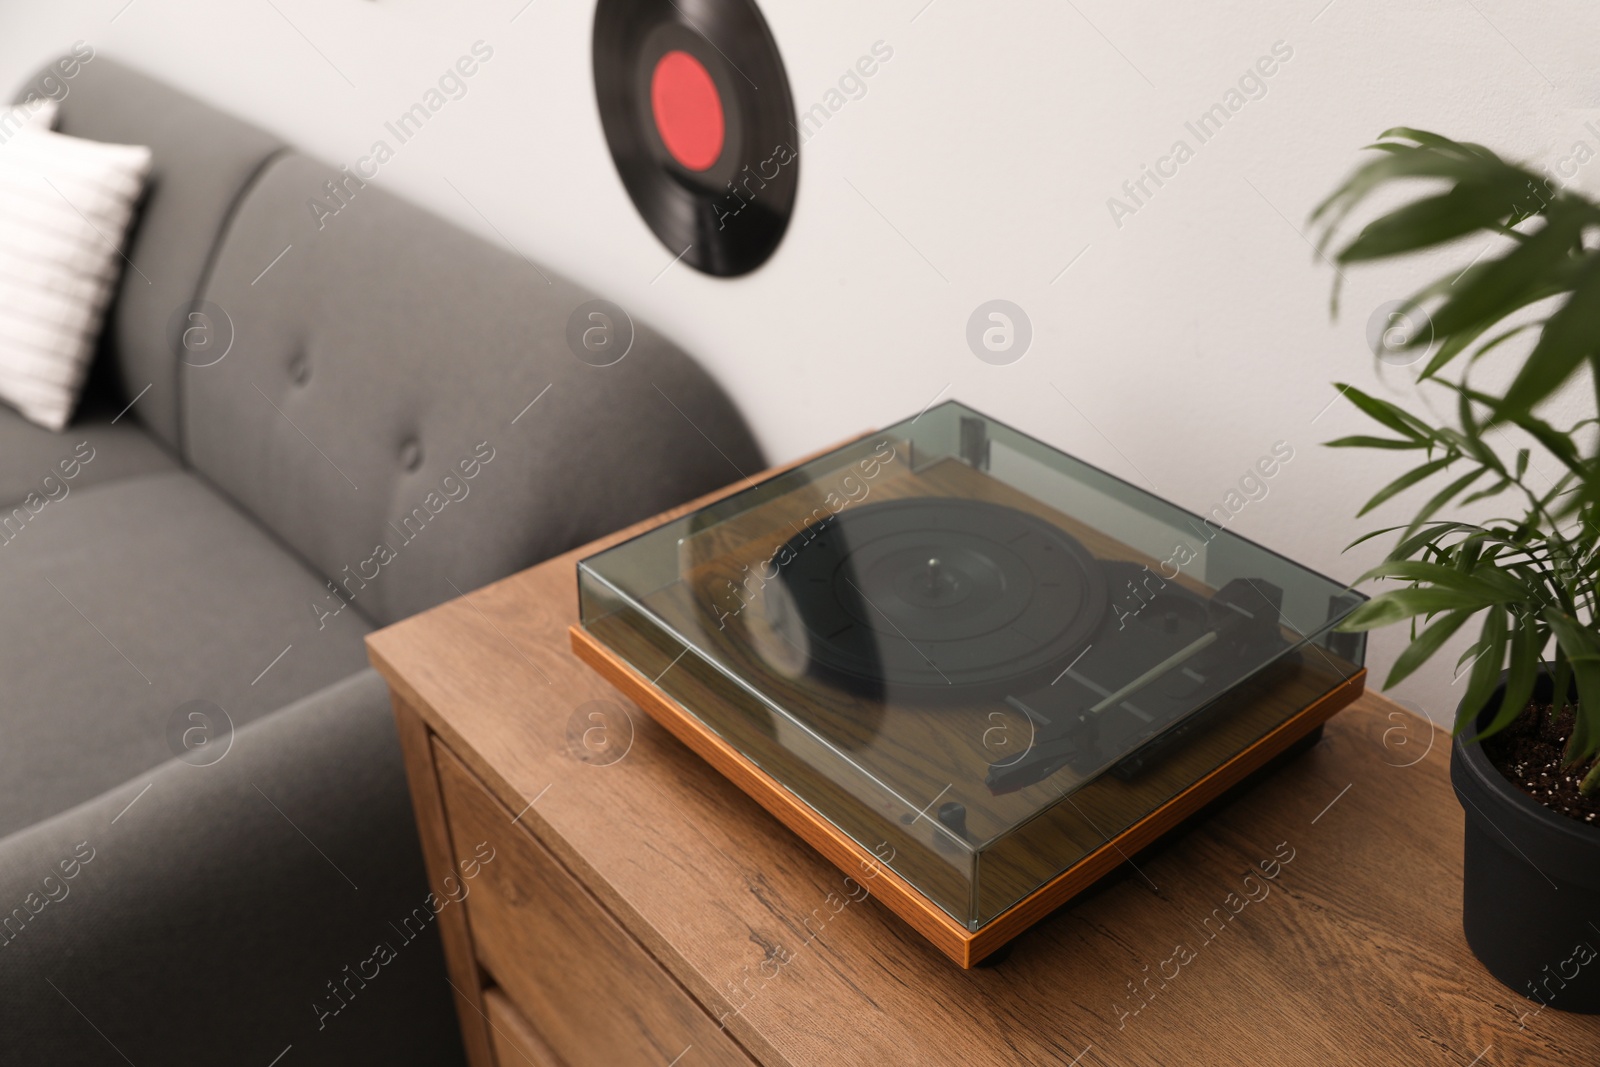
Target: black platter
{"type": "Point", "coordinates": [939, 598]}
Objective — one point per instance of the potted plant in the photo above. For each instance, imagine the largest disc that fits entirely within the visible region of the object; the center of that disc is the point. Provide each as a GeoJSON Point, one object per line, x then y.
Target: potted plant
{"type": "Point", "coordinates": [1527, 733]}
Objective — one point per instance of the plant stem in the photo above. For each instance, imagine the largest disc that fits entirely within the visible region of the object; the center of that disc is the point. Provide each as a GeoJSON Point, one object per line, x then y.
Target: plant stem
{"type": "Point", "coordinates": [1591, 781]}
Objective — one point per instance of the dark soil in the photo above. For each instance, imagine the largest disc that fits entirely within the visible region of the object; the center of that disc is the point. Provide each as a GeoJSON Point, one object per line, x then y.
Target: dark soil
{"type": "Point", "coordinates": [1528, 753]}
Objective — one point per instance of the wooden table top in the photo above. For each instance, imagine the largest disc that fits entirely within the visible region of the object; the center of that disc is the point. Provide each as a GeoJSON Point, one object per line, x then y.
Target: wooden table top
{"type": "Point", "coordinates": [1313, 920]}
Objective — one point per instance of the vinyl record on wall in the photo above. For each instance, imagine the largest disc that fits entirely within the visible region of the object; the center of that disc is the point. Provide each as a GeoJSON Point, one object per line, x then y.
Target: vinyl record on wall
{"type": "Point", "coordinates": [698, 116]}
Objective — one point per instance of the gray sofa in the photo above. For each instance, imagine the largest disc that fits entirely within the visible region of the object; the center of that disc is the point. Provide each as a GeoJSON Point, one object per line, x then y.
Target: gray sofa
{"type": "Point", "coordinates": [223, 541]}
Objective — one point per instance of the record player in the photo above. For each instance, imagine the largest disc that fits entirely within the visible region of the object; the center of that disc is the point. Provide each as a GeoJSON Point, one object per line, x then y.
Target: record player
{"type": "Point", "coordinates": [975, 673]}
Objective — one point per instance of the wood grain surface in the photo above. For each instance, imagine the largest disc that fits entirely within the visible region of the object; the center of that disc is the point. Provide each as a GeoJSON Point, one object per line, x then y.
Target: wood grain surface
{"type": "Point", "coordinates": [564, 963]}
{"type": "Point", "coordinates": [899, 878]}
{"type": "Point", "coordinates": [439, 855]}
{"type": "Point", "coordinates": [516, 1043]}
{"type": "Point", "coordinates": [1350, 953]}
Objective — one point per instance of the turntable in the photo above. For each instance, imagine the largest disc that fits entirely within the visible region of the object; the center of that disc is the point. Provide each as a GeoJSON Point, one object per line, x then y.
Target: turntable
{"type": "Point", "coordinates": [973, 672]}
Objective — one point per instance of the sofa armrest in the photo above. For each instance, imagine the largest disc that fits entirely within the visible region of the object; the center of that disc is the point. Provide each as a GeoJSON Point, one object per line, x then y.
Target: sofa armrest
{"type": "Point", "coordinates": [230, 911]}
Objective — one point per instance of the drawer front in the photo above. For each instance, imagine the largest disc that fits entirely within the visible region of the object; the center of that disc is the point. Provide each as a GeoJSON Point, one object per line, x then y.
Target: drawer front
{"type": "Point", "coordinates": [576, 976]}
{"type": "Point", "coordinates": [514, 1041]}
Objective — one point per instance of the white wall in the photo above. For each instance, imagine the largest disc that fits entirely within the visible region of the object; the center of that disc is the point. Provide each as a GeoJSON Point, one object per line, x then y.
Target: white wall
{"type": "Point", "coordinates": [1189, 339]}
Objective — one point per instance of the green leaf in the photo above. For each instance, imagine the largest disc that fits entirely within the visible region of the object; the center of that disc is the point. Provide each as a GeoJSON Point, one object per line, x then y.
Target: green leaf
{"type": "Point", "coordinates": [1359, 441]}
{"type": "Point", "coordinates": [1526, 643]}
{"type": "Point", "coordinates": [1492, 586]}
{"type": "Point", "coordinates": [1471, 436]}
{"type": "Point", "coordinates": [1506, 335]}
{"type": "Point", "coordinates": [1555, 442]}
{"type": "Point", "coordinates": [1577, 641]}
{"type": "Point", "coordinates": [1423, 647]}
{"type": "Point", "coordinates": [1558, 443]}
{"type": "Point", "coordinates": [1400, 162]}
{"type": "Point", "coordinates": [1483, 494]}
{"type": "Point", "coordinates": [1398, 605]}
{"type": "Point", "coordinates": [1369, 536]}
{"type": "Point", "coordinates": [1408, 546]}
{"type": "Point", "coordinates": [1486, 668]}
{"type": "Point", "coordinates": [1502, 285]}
{"type": "Point", "coordinates": [1470, 206]}
{"type": "Point", "coordinates": [1467, 656]}
{"type": "Point", "coordinates": [1459, 341]}
{"type": "Point", "coordinates": [1563, 678]}
{"type": "Point", "coordinates": [1390, 415]}
{"type": "Point", "coordinates": [1429, 159]}
{"type": "Point", "coordinates": [1464, 149]}
{"type": "Point", "coordinates": [1570, 337]}
{"type": "Point", "coordinates": [1406, 481]}
{"type": "Point", "coordinates": [1580, 648]}
{"type": "Point", "coordinates": [1444, 496]}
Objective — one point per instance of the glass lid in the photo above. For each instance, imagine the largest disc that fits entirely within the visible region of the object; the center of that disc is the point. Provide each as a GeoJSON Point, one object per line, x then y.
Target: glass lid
{"type": "Point", "coordinates": [944, 632]}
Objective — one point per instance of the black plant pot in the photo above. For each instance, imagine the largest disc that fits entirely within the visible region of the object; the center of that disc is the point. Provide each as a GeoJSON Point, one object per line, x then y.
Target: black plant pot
{"type": "Point", "coordinates": [1531, 886]}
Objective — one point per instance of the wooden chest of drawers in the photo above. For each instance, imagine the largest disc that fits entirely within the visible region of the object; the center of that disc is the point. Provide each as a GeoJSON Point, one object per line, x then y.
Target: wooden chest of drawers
{"type": "Point", "coordinates": [641, 910]}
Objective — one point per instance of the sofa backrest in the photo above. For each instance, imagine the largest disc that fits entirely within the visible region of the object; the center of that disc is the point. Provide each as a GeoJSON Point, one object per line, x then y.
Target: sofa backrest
{"type": "Point", "coordinates": [203, 160]}
{"type": "Point", "coordinates": [375, 408]}
{"type": "Point", "coordinates": [400, 404]}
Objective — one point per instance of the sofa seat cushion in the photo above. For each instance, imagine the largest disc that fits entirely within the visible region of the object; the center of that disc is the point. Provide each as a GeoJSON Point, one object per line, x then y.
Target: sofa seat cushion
{"type": "Point", "coordinates": [53, 466]}
{"type": "Point", "coordinates": [127, 601]}
{"type": "Point", "coordinates": [203, 924]}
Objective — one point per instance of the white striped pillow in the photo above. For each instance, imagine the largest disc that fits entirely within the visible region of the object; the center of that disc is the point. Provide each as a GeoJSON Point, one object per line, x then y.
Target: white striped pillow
{"type": "Point", "coordinates": [65, 205]}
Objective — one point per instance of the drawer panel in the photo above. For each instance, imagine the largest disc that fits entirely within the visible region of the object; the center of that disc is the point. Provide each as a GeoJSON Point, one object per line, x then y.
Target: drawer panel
{"type": "Point", "coordinates": [576, 976]}
{"type": "Point", "coordinates": [514, 1041]}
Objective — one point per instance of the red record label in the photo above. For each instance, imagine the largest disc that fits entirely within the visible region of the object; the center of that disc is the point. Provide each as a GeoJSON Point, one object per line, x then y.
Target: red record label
{"type": "Point", "coordinates": [687, 110]}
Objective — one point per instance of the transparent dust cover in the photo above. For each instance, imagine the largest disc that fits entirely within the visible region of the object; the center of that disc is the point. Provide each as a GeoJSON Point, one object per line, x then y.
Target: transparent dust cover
{"type": "Point", "coordinates": [979, 658]}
